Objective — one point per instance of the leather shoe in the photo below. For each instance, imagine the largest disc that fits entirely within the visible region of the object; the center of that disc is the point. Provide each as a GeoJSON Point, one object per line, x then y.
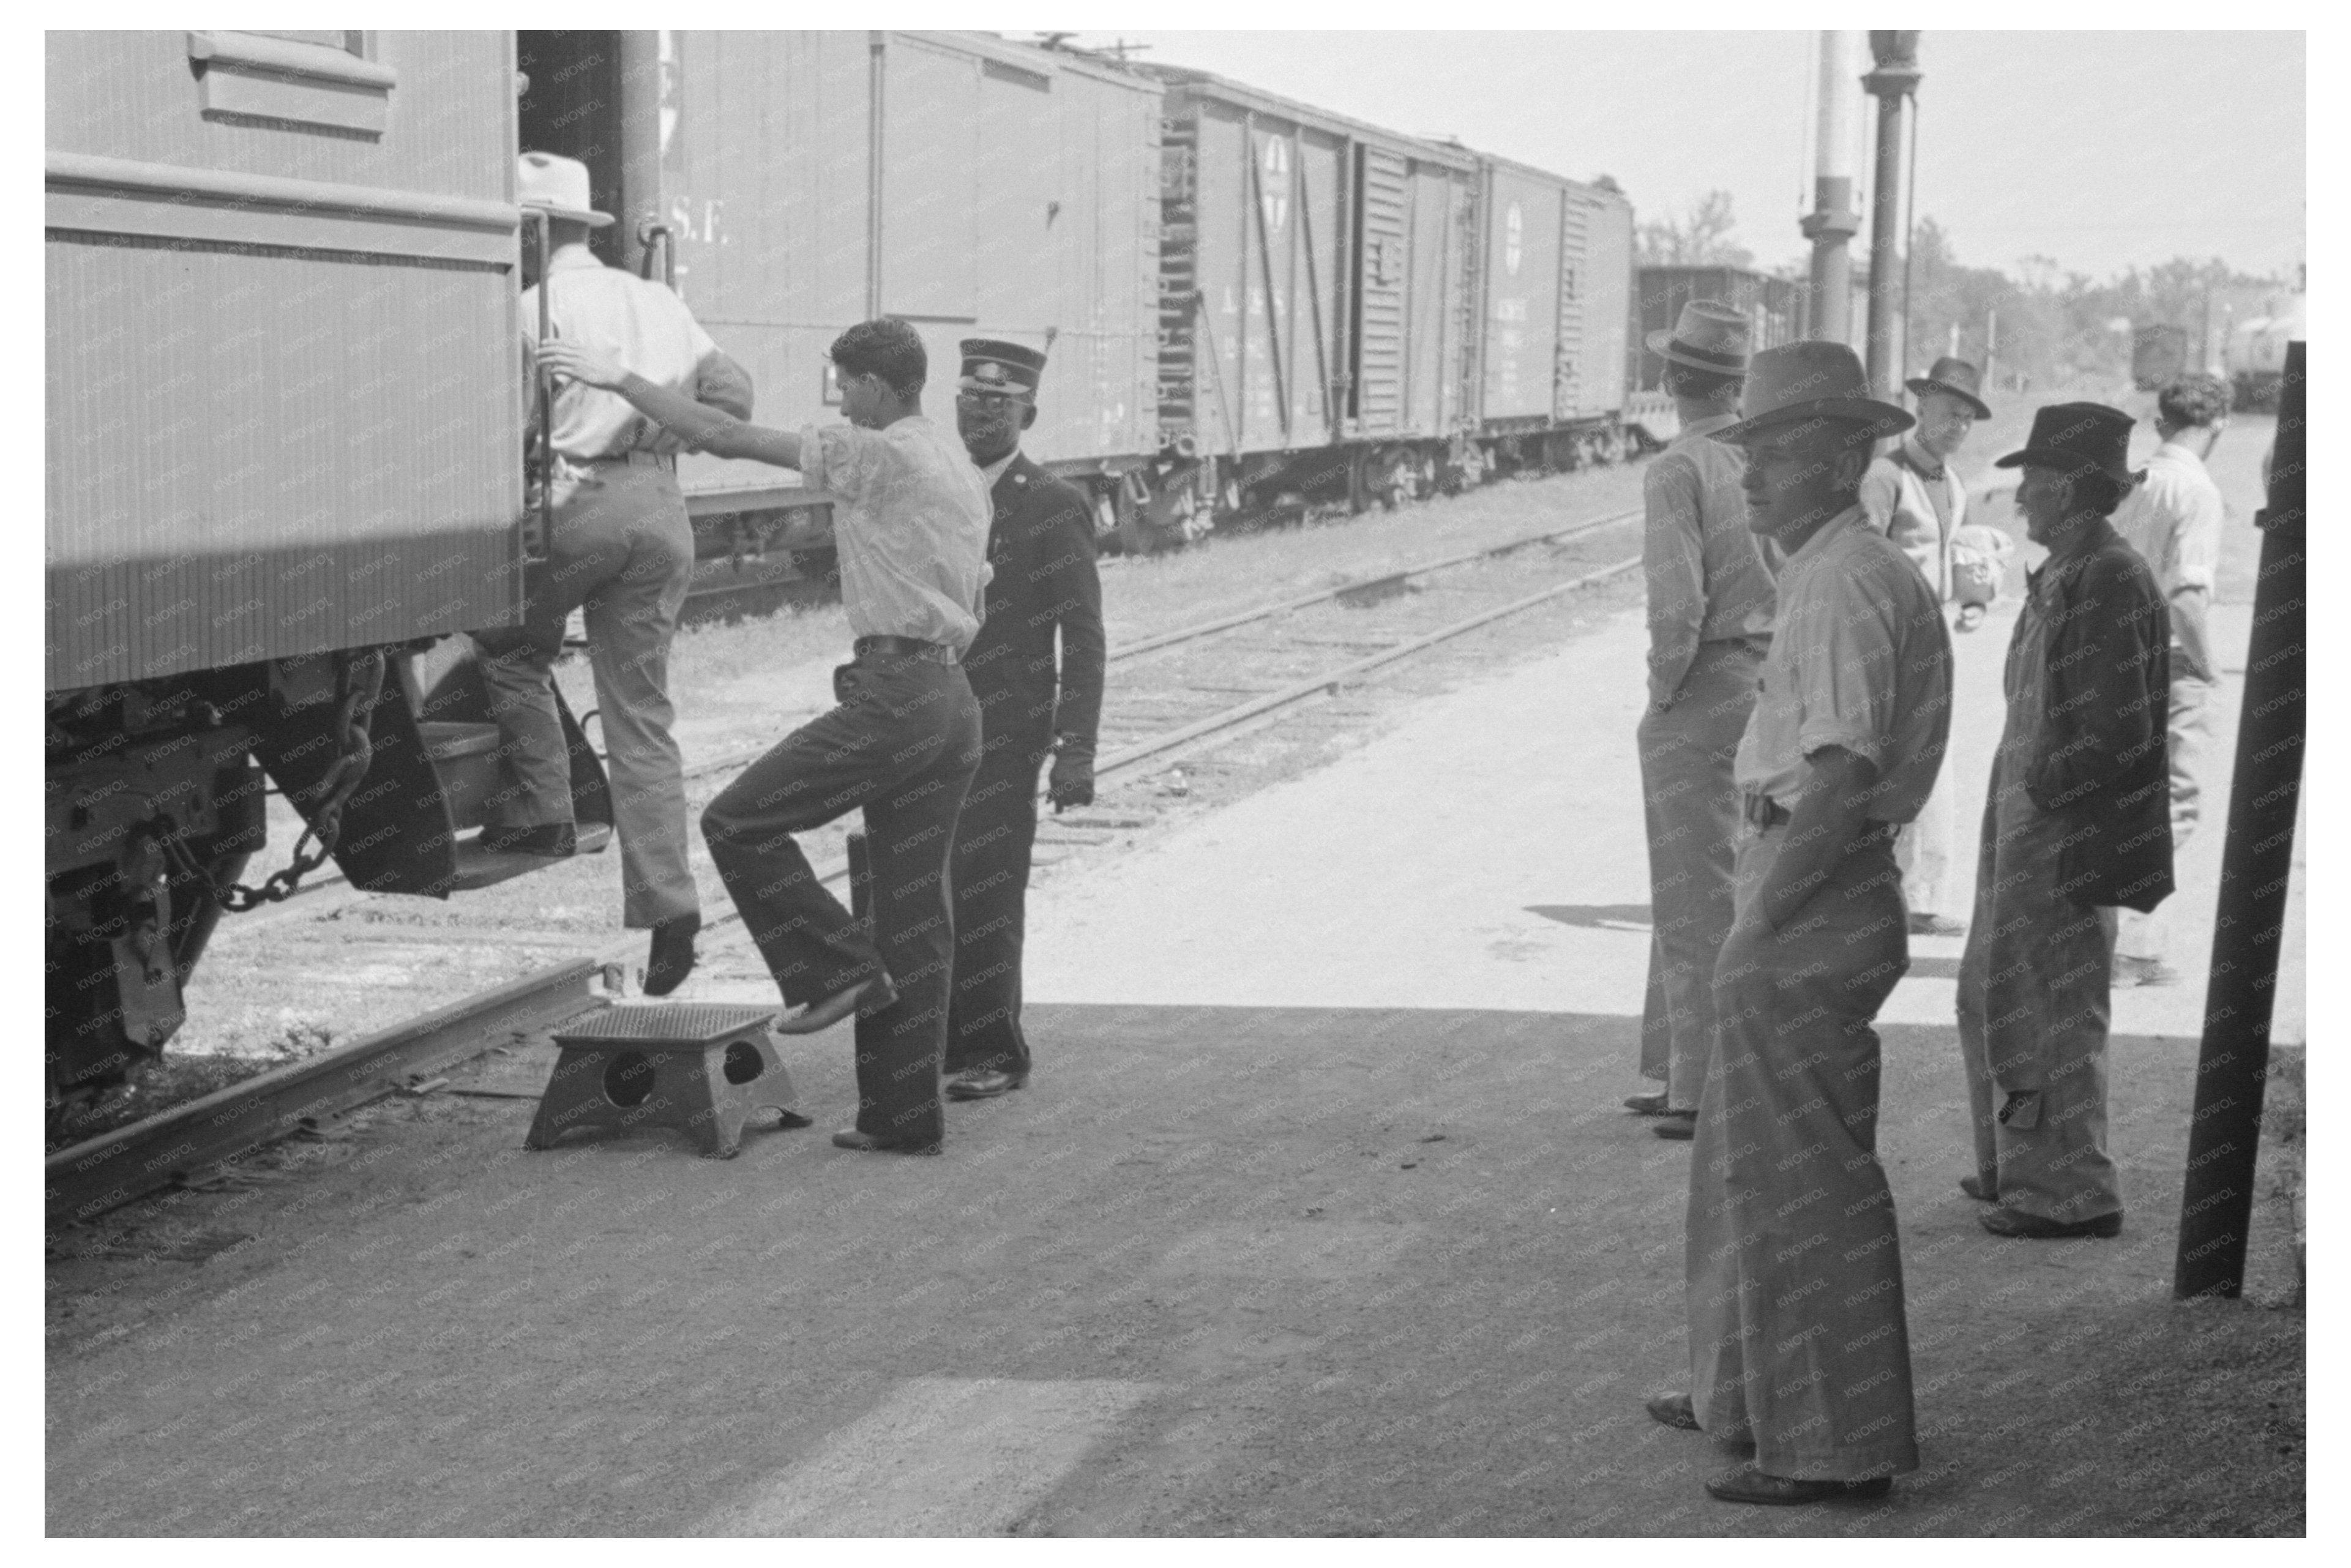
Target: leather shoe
{"type": "Point", "coordinates": [1646, 1104]}
{"type": "Point", "coordinates": [868, 1144]}
{"type": "Point", "coordinates": [552, 840]}
{"type": "Point", "coordinates": [2034, 1227]}
{"type": "Point", "coordinates": [1977, 1190]}
{"type": "Point", "coordinates": [670, 957]}
{"type": "Point", "coordinates": [1925, 924]}
{"type": "Point", "coordinates": [1679, 1125]}
{"type": "Point", "coordinates": [1673, 1410]}
{"type": "Point", "coordinates": [868, 996]}
{"type": "Point", "coordinates": [1747, 1484]}
{"type": "Point", "coordinates": [984, 1084]}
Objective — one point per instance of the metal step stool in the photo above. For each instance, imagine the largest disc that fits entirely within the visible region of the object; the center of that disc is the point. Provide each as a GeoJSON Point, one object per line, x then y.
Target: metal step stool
{"type": "Point", "coordinates": [700, 1067]}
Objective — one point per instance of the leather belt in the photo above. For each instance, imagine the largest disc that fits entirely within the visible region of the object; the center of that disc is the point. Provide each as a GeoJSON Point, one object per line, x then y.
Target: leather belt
{"type": "Point", "coordinates": [905, 648]}
{"type": "Point", "coordinates": [634, 458]}
{"type": "Point", "coordinates": [1763, 813]}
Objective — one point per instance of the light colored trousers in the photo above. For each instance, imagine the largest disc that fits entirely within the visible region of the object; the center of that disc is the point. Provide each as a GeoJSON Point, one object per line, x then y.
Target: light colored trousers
{"type": "Point", "coordinates": [1690, 803]}
{"type": "Point", "coordinates": [621, 552]}
{"type": "Point", "coordinates": [1923, 849]}
{"type": "Point", "coordinates": [2189, 741]}
{"type": "Point", "coordinates": [2033, 1008]}
{"type": "Point", "coordinates": [1797, 1336]}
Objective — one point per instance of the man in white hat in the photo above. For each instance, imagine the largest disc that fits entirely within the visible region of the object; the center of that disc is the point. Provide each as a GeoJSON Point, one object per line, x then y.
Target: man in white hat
{"type": "Point", "coordinates": [622, 549]}
{"type": "Point", "coordinates": [1914, 497]}
{"type": "Point", "coordinates": [1710, 602]}
{"type": "Point", "coordinates": [1798, 1341]}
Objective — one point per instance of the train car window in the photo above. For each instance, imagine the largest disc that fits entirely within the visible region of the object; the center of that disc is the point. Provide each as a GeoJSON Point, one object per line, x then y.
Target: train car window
{"type": "Point", "coordinates": [314, 81]}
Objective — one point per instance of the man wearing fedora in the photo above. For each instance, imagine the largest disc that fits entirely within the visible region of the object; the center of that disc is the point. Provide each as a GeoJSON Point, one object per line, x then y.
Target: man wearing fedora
{"type": "Point", "coordinates": [910, 518]}
{"type": "Point", "coordinates": [1710, 612]}
{"type": "Point", "coordinates": [2078, 823]}
{"type": "Point", "coordinates": [2173, 519]}
{"type": "Point", "coordinates": [1914, 497]}
{"type": "Point", "coordinates": [620, 549]}
{"type": "Point", "coordinates": [1040, 553]}
{"type": "Point", "coordinates": [1798, 1341]}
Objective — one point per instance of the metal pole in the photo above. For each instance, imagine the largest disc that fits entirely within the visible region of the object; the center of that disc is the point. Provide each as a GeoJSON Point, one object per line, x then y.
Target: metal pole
{"type": "Point", "coordinates": [875, 44]}
{"type": "Point", "coordinates": [2256, 859]}
{"type": "Point", "coordinates": [1895, 79]}
{"type": "Point", "coordinates": [1992, 342]}
{"type": "Point", "coordinates": [1833, 222]}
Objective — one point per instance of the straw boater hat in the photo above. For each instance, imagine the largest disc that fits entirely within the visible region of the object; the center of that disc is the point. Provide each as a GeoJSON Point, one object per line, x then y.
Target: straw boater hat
{"type": "Point", "coordinates": [558, 187]}
{"type": "Point", "coordinates": [1811, 379]}
{"type": "Point", "coordinates": [1959, 378]}
{"type": "Point", "coordinates": [1711, 336]}
{"type": "Point", "coordinates": [989, 365]}
{"type": "Point", "coordinates": [2077, 438]}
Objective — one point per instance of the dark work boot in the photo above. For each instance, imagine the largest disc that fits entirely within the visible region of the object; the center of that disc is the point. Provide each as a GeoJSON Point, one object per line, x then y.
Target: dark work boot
{"type": "Point", "coordinates": [671, 959]}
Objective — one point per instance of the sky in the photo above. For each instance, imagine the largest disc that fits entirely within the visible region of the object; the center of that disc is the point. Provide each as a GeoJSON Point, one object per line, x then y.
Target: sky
{"type": "Point", "coordinates": [2102, 150]}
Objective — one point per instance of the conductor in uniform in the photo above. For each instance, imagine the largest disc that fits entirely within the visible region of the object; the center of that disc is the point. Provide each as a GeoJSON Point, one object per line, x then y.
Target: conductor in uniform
{"type": "Point", "coordinates": [1033, 704]}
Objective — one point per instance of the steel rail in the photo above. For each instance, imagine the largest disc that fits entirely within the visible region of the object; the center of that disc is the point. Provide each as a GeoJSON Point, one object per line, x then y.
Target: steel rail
{"type": "Point", "coordinates": [1157, 641]}
{"type": "Point", "coordinates": [164, 1149]}
{"type": "Point", "coordinates": [115, 1167]}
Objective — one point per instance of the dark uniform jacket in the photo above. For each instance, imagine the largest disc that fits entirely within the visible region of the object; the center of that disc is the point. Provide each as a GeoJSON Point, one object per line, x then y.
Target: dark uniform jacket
{"type": "Point", "coordinates": [2101, 760]}
{"type": "Point", "coordinates": [1041, 547]}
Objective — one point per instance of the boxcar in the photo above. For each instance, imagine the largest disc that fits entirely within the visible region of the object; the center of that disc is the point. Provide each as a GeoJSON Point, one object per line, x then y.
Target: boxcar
{"type": "Point", "coordinates": [283, 420]}
{"type": "Point", "coordinates": [1317, 324]}
{"type": "Point", "coordinates": [790, 183]}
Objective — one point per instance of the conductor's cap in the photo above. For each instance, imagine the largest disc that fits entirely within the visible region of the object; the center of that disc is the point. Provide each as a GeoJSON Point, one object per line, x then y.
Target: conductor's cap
{"type": "Point", "coordinates": [989, 365]}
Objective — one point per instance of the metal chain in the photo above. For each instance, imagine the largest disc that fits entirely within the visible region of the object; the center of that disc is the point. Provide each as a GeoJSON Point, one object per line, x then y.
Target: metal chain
{"type": "Point", "coordinates": [362, 682]}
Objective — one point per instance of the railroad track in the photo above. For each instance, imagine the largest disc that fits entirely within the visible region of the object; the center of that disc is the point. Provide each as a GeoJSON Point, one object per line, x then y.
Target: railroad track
{"type": "Point", "coordinates": [1156, 720]}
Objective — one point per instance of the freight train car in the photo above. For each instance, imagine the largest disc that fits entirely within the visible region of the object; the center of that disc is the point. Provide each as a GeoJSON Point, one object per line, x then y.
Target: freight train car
{"type": "Point", "coordinates": [1555, 285]}
{"type": "Point", "coordinates": [2255, 355]}
{"type": "Point", "coordinates": [283, 420]}
{"type": "Point", "coordinates": [791, 183]}
{"type": "Point", "coordinates": [1312, 321]}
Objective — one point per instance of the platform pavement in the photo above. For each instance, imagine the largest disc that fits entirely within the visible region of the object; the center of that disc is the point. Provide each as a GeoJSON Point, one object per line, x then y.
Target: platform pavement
{"type": "Point", "coordinates": [1489, 852]}
{"type": "Point", "coordinates": [1320, 1218]}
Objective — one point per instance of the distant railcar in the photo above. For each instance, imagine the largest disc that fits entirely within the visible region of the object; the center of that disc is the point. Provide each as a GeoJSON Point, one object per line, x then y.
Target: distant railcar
{"type": "Point", "coordinates": [1555, 279]}
{"type": "Point", "coordinates": [2256, 352]}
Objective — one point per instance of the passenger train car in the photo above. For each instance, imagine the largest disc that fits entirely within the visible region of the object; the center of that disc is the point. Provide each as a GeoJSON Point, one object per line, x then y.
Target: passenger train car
{"type": "Point", "coordinates": [286, 408]}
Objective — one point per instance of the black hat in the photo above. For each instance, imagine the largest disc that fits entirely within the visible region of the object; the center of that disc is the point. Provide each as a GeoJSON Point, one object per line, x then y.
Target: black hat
{"type": "Point", "coordinates": [2077, 438]}
{"type": "Point", "coordinates": [1959, 378]}
{"type": "Point", "coordinates": [992, 366]}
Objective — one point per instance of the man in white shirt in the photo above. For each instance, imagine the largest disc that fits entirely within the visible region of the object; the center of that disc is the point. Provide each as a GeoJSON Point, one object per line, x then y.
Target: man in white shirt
{"type": "Point", "coordinates": [619, 550]}
{"type": "Point", "coordinates": [2173, 519]}
{"type": "Point", "coordinates": [910, 523]}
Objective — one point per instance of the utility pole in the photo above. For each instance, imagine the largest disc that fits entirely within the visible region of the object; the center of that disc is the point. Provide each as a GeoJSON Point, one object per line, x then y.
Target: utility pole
{"type": "Point", "coordinates": [2256, 859]}
{"type": "Point", "coordinates": [1895, 79]}
{"type": "Point", "coordinates": [1991, 345]}
{"type": "Point", "coordinates": [1832, 221]}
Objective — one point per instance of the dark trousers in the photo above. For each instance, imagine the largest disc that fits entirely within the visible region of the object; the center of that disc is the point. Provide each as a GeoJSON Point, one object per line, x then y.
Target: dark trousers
{"type": "Point", "coordinates": [903, 745]}
{"type": "Point", "coordinates": [993, 843]}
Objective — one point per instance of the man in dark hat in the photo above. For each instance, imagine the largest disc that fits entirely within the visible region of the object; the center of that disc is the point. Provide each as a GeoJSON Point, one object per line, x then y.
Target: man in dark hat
{"type": "Point", "coordinates": [2077, 824]}
{"type": "Point", "coordinates": [1041, 547]}
{"type": "Point", "coordinates": [1709, 611]}
{"type": "Point", "coordinates": [1914, 497]}
{"type": "Point", "coordinates": [2173, 519]}
{"type": "Point", "coordinates": [1798, 1340]}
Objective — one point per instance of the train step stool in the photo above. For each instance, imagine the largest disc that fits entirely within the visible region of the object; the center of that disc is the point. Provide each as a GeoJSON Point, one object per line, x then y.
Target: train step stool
{"type": "Point", "coordinates": [700, 1067]}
